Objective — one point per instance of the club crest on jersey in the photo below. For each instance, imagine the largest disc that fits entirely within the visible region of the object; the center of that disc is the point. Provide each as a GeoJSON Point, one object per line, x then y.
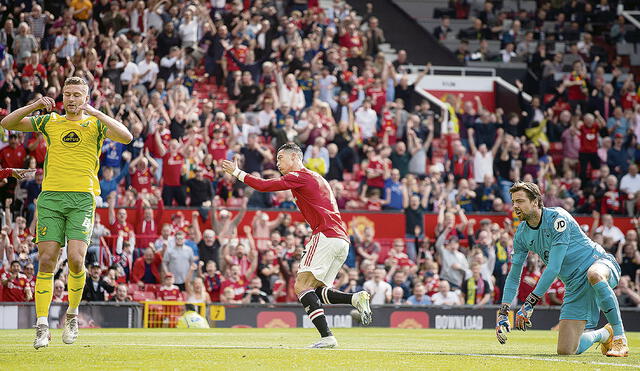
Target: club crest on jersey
{"type": "Point", "coordinates": [560, 225]}
{"type": "Point", "coordinates": [71, 138]}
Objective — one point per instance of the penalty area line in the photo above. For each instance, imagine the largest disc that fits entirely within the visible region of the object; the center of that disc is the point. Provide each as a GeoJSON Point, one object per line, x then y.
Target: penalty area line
{"type": "Point", "coordinates": [475, 355]}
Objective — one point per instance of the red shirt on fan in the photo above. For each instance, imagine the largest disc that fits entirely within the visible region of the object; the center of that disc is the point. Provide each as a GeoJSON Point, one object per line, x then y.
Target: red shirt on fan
{"type": "Point", "coordinates": [378, 96]}
{"type": "Point", "coordinates": [557, 287]}
{"type": "Point", "coordinates": [142, 179]}
{"type": "Point", "coordinates": [22, 237]}
{"type": "Point", "coordinates": [172, 169]}
{"type": "Point", "coordinates": [218, 149]}
{"type": "Point", "coordinates": [527, 284]}
{"type": "Point", "coordinates": [116, 227]}
{"type": "Point", "coordinates": [239, 287]}
{"type": "Point", "coordinates": [169, 293]}
{"type": "Point", "coordinates": [15, 288]}
{"type": "Point", "coordinates": [13, 157]}
{"type": "Point", "coordinates": [589, 139]}
{"type": "Point", "coordinates": [40, 151]}
{"type": "Point", "coordinates": [240, 52]}
{"type": "Point", "coordinates": [150, 142]}
{"type": "Point", "coordinates": [313, 196]}
{"type": "Point", "coordinates": [379, 180]}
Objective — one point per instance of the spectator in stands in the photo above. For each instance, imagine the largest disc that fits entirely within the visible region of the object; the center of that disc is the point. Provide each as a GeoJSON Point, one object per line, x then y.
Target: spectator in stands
{"type": "Point", "coordinates": [59, 295]}
{"type": "Point", "coordinates": [213, 280]}
{"type": "Point", "coordinates": [16, 288]}
{"type": "Point", "coordinates": [444, 296]}
{"type": "Point", "coordinates": [441, 32]}
{"type": "Point", "coordinates": [455, 267]}
{"type": "Point", "coordinates": [628, 256]}
{"type": "Point", "coordinates": [97, 287]}
{"type": "Point", "coordinates": [476, 290]}
{"type": "Point", "coordinates": [627, 296]}
{"type": "Point", "coordinates": [366, 246]}
{"type": "Point", "coordinates": [169, 291]}
{"type": "Point", "coordinates": [400, 279]}
{"type": "Point", "coordinates": [178, 259]}
{"type": "Point", "coordinates": [379, 289]}
{"type": "Point", "coordinates": [397, 296]}
{"type": "Point", "coordinates": [419, 296]}
{"type": "Point", "coordinates": [630, 186]}
{"type": "Point", "coordinates": [254, 294]}
{"type": "Point", "coordinates": [122, 294]}
{"type": "Point", "coordinates": [196, 291]}
{"type": "Point", "coordinates": [236, 282]}
{"type": "Point", "coordinates": [146, 269]}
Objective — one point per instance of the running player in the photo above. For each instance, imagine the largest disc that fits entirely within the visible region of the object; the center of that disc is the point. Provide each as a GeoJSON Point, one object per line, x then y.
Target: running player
{"type": "Point", "coordinates": [67, 203]}
{"type": "Point", "coordinates": [588, 272]}
{"type": "Point", "coordinates": [328, 246]}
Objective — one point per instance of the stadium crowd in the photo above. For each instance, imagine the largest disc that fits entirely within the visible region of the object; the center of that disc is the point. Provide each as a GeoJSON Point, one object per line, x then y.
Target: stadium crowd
{"type": "Point", "coordinates": [198, 82]}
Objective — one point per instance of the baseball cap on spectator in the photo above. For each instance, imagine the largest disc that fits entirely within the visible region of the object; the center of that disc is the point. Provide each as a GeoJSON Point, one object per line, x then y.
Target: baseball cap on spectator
{"type": "Point", "coordinates": [485, 221]}
{"type": "Point", "coordinates": [224, 213]}
{"type": "Point", "coordinates": [619, 135]}
{"type": "Point", "coordinates": [94, 265]}
{"type": "Point", "coordinates": [168, 274]}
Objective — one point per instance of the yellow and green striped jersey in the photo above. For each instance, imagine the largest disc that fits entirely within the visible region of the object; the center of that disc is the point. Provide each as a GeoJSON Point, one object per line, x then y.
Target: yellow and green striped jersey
{"type": "Point", "coordinates": [73, 152]}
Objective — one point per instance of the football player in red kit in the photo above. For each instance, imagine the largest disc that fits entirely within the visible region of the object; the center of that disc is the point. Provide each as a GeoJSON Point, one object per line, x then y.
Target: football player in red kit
{"type": "Point", "coordinates": [327, 249]}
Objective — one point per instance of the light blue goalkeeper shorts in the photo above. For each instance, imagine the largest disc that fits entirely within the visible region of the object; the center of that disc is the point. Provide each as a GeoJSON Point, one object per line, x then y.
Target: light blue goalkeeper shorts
{"type": "Point", "coordinates": [580, 298]}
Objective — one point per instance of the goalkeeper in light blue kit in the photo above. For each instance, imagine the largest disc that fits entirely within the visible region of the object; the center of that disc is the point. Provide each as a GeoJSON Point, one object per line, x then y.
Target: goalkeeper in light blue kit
{"type": "Point", "coordinates": [588, 272]}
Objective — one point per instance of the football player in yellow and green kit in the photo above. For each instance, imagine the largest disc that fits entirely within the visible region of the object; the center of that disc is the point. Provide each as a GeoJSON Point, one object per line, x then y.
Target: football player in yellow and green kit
{"type": "Point", "coordinates": [66, 205]}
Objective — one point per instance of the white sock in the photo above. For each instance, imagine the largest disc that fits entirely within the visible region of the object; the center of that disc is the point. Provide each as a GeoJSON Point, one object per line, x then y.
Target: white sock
{"type": "Point", "coordinates": [603, 333]}
{"type": "Point", "coordinates": [72, 310]}
{"type": "Point", "coordinates": [42, 321]}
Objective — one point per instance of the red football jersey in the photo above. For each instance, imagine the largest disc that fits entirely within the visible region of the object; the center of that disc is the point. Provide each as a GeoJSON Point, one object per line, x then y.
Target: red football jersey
{"type": "Point", "coordinates": [169, 293]}
{"type": "Point", "coordinates": [14, 290]}
{"type": "Point", "coordinates": [172, 169]}
{"type": "Point", "coordinates": [527, 284]}
{"type": "Point", "coordinates": [589, 139]}
{"type": "Point", "coordinates": [239, 287]}
{"type": "Point", "coordinates": [314, 197]}
{"type": "Point", "coordinates": [557, 287]}
{"type": "Point", "coordinates": [142, 179]}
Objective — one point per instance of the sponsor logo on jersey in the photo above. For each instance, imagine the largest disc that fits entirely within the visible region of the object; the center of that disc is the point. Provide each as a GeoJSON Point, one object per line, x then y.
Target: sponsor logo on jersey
{"type": "Point", "coordinates": [71, 138]}
{"type": "Point", "coordinates": [560, 225]}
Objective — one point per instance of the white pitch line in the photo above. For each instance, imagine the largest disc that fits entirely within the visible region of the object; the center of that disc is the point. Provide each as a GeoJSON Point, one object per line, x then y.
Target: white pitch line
{"type": "Point", "coordinates": [368, 350]}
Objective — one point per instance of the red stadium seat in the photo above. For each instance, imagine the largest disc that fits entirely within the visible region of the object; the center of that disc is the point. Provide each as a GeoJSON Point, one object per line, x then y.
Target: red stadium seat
{"type": "Point", "coordinates": [143, 296]}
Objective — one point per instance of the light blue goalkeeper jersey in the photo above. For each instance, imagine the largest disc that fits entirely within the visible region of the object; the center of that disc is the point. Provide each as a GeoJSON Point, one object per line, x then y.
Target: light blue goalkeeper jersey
{"type": "Point", "coordinates": [561, 244]}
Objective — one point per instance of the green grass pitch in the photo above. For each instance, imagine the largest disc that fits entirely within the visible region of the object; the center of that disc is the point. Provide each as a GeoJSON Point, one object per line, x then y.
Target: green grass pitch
{"type": "Point", "coordinates": [283, 349]}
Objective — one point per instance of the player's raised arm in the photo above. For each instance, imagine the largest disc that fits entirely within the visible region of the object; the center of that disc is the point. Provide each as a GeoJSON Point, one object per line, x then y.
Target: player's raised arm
{"type": "Point", "coordinates": [115, 129]}
{"type": "Point", "coordinates": [18, 120]}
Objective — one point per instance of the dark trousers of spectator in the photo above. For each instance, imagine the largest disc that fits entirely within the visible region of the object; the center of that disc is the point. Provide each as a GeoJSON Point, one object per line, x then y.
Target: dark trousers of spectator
{"type": "Point", "coordinates": [585, 159]}
{"type": "Point", "coordinates": [170, 193]}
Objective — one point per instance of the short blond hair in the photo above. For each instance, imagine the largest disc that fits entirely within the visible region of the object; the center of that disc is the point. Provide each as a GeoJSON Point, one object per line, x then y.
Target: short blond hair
{"type": "Point", "coordinates": [531, 189]}
{"type": "Point", "coordinates": [75, 80]}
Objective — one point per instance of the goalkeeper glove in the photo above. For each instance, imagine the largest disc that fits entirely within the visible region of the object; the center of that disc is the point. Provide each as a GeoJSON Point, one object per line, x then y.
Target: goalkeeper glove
{"type": "Point", "coordinates": [502, 324]}
{"type": "Point", "coordinates": [523, 317]}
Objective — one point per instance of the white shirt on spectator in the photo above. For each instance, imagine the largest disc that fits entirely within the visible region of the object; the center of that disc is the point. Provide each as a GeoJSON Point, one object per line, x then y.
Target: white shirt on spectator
{"type": "Point", "coordinates": [366, 119]}
{"type": "Point", "coordinates": [451, 298]}
{"type": "Point", "coordinates": [152, 67]}
{"type": "Point", "coordinates": [614, 232]}
{"type": "Point", "coordinates": [264, 118]}
{"type": "Point", "coordinates": [482, 165]}
{"type": "Point", "coordinates": [69, 50]}
{"type": "Point", "coordinates": [325, 86]}
{"type": "Point", "coordinates": [379, 291]}
{"type": "Point", "coordinates": [630, 184]}
{"type": "Point", "coordinates": [189, 31]}
{"type": "Point", "coordinates": [130, 70]}
{"type": "Point", "coordinates": [242, 133]}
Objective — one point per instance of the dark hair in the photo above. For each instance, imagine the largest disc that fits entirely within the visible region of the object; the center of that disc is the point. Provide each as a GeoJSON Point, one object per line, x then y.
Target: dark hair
{"type": "Point", "coordinates": [531, 189]}
{"type": "Point", "coordinates": [291, 147]}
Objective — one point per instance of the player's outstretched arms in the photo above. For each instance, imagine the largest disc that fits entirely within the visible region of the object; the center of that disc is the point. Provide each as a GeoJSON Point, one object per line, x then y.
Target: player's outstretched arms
{"type": "Point", "coordinates": [257, 183]}
{"type": "Point", "coordinates": [115, 129]}
{"type": "Point", "coordinates": [17, 119]}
